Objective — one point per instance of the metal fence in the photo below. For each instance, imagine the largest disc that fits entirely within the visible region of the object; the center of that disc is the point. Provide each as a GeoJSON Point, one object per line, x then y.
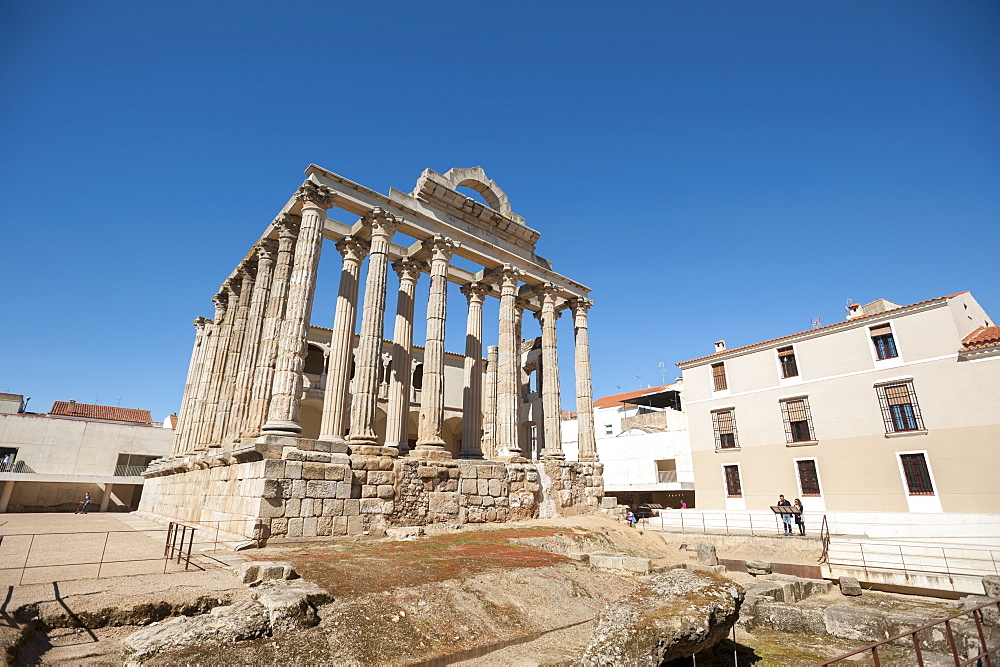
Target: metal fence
{"type": "Point", "coordinates": [720, 523]}
{"type": "Point", "coordinates": [914, 558]}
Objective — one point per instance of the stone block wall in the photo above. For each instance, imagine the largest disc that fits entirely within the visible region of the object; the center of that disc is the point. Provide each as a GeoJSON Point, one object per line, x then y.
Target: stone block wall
{"type": "Point", "coordinates": [309, 493]}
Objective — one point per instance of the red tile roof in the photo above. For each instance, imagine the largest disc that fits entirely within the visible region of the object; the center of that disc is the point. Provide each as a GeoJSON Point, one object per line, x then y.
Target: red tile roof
{"type": "Point", "coordinates": [855, 319]}
{"type": "Point", "coordinates": [982, 337]}
{"type": "Point", "coordinates": [70, 409]}
{"type": "Point", "coordinates": [616, 399]}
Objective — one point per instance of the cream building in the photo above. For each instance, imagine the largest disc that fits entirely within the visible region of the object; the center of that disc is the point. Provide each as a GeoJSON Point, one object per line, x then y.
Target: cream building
{"type": "Point", "coordinates": [642, 440]}
{"type": "Point", "coordinates": [53, 459]}
{"type": "Point", "coordinates": [893, 410]}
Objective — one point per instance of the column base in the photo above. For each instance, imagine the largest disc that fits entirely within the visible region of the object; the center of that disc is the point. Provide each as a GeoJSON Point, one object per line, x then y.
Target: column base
{"type": "Point", "coordinates": [430, 452]}
{"type": "Point", "coordinates": [513, 458]}
{"type": "Point", "coordinates": [281, 427]}
{"type": "Point", "coordinates": [590, 458]}
{"type": "Point", "coordinates": [554, 456]}
{"type": "Point", "coordinates": [371, 450]}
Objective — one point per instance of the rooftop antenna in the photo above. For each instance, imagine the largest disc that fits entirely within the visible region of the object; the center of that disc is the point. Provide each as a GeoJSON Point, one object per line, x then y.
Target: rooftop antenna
{"type": "Point", "coordinates": [663, 370]}
{"type": "Point", "coordinates": [815, 322]}
{"type": "Point", "coordinates": [639, 379]}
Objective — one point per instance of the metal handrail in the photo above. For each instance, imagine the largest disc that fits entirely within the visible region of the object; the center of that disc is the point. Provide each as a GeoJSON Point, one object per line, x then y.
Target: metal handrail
{"type": "Point", "coordinates": [824, 536]}
{"type": "Point", "coordinates": [977, 616]}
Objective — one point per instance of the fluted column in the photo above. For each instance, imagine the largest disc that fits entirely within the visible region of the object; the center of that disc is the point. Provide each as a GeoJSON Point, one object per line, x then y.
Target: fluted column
{"type": "Point", "coordinates": [398, 415]}
{"type": "Point", "coordinates": [584, 389]}
{"type": "Point", "coordinates": [267, 353]}
{"type": "Point", "coordinates": [472, 390]}
{"type": "Point", "coordinates": [551, 403]}
{"type": "Point", "coordinates": [183, 434]}
{"type": "Point", "coordinates": [237, 336]}
{"type": "Point", "coordinates": [286, 393]}
{"type": "Point", "coordinates": [508, 361]}
{"type": "Point", "coordinates": [267, 252]}
{"type": "Point", "coordinates": [489, 445]}
{"type": "Point", "coordinates": [432, 394]}
{"type": "Point", "coordinates": [368, 356]}
{"type": "Point", "coordinates": [231, 295]}
{"type": "Point", "coordinates": [345, 319]}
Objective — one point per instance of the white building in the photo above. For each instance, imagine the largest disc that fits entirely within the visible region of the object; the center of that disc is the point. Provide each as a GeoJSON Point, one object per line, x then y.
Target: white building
{"type": "Point", "coordinates": [642, 440]}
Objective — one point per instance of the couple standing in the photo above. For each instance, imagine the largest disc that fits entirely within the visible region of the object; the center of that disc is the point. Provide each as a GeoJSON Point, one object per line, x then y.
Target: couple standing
{"type": "Point", "coordinates": [787, 518]}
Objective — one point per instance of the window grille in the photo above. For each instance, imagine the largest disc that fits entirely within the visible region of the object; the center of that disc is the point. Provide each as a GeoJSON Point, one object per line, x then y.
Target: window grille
{"type": "Point", "coordinates": [798, 420]}
{"type": "Point", "coordinates": [724, 423]}
{"type": "Point", "coordinates": [808, 477]}
{"type": "Point", "coordinates": [885, 345]}
{"type": "Point", "coordinates": [719, 376]}
{"type": "Point", "coordinates": [733, 487]}
{"type": "Point", "coordinates": [900, 410]}
{"type": "Point", "coordinates": [786, 357]}
{"type": "Point", "coordinates": [918, 475]}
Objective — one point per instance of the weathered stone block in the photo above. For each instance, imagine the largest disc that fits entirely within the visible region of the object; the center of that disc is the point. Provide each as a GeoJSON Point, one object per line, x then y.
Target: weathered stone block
{"type": "Point", "coordinates": [339, 525]}
{"type": "Point", "coordinates": [295, 527]}
{"type": "Point", "coordinates": [293, 469]}
{"type": "Point", "coordinates": [488, 501]}
{"type": "Point", "coordinates": [758, 567]}
{"type": "Point", "coordinates": [483, 486]}
{"type": "Point", "coordinates": [335, 472]}
{"type": "Point", "coordinates": [404, 532]}
{"type": "Point", "coordinates": [299, 488]}
{"type": "Point", "coordinates": [333, 506]}
{"type": "Point", "coordinates": [707, 554]}
{"type": "Point", "coordinates": [279, 526]}
{"type": "Point", "coordinates": [273, 468]}
{"type": "Point", "coordinates": [313, 471]}
{"type": "Point", "coordinates": [850, 586]}
{"type": "Point", "coordinates": [609, 502]}
{"type": "Point", "coordinates": [474, 500]}
{"type": "Point", "coordinates": [386, 492]}
{"type": "Point", "coordinates": [442, 503]}
{"type": "Point", "coordinates": [372, 506]}
{"type": "Point", "coordinates": [386, 463]}
{"type": "Point", "coordinates": [355, 525]}
{"type": "Point", "coordinates": [369, 491]}
{"type": "Point", "coordinates": [360, 476]}
{"type": "Point", "coordinates": [377, 477]}
{"type": "Point", "coordinates": [324, 526]}
{"type": "Point", "coordinates": [292, 507]}
{"type": "Point", "coordinates": [271, 508]}
{"type": "Point", "coordinates": [272, 488]}
{"type": "Point", "coordinates": [494, 487]}
{"type": "Point", "coordinates": [469, 486]}
{"type": "Point", "coordinates": [352, 507]}
{"type": "Point", "coordinates": [322, 489]}
{"type": "Point", "coordinates": [344, 489]}
{"type": "Point", "coordinates": [309, 524]}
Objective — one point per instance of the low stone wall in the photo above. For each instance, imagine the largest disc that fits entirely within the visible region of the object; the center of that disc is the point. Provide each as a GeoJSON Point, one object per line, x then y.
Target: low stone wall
{"type": "Point", "coordinates": [309, 492]}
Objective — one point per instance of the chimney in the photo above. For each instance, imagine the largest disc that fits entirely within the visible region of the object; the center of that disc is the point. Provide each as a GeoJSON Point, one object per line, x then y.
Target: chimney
{"type": "Point", "coordinates": [71, 406]}
{"type": "Point", "coordinates": [720, 346]}
{"type": "Point", "coordinates": [854, 310]}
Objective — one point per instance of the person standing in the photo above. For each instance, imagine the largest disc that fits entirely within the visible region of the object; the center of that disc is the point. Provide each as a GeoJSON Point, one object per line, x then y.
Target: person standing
{"type": "Point", "coordinates": [785, 518]}
{"type": "Point", "coordinates": [630, 517]}
{"type": "Point", "coordinates": [3, 464]}
{"type": "Point", "coordinates": [799, 521]}
{"type": "Point", "coordinates": [82, 509]}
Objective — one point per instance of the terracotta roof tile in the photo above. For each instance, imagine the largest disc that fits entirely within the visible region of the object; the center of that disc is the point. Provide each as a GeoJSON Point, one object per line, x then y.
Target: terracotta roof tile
{"type": "Point", "coordinates": [856, 319]}
{"type": "Point", "coordinates": [982, 337]}
{"type": "Point", "coordinates": [616, 399]}
{"type": "Point", "coordinates": [88, 411]}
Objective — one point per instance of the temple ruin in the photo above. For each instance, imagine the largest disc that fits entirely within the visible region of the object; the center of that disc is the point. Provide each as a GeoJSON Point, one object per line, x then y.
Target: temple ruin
{"type": "Point", "coordinates": [288, 429]}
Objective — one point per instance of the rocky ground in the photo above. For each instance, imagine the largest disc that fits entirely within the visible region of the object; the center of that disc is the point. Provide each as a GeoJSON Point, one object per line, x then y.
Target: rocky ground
{"type": "Point", "coordinates": [509, 594]}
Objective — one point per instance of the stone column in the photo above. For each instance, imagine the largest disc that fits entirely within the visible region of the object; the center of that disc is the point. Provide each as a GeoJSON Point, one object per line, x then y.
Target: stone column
{"type": "Point", "coordinates": [106, 496]}
{"type": "Point", "coordinates": [189, 402]}
{"type": "Point", "coordinates": [432, 394]}
{"type": "Point", "coordinates": [368, 356]}
{"type": "Point", "coordinates": [584, 390]}
{"type": "Point", "coordinates": [398, 416]}
{"type": "Point", "coordinates": [230, 298]}
{"type": "Point", "coordinates": [345, 319]}
{"type": "Point", "coordinates": [286, 393]}
{"type": "Point", "coordinates": [490, 404]}
{"type": "Point", "coordinates": [508, 360]}
{"type": "Point", "coordinates": [267, 354]}
{"type": "Point", "coordinates": [8, 489]}
{"type": "Point", "coordinates": [237, 335]}
{"type": "Point", "coordinates": [551, 402]}
{"type": "Point", "coordinates": [472, 390]}
{"type": "Point", "coordinates": [266, 253]}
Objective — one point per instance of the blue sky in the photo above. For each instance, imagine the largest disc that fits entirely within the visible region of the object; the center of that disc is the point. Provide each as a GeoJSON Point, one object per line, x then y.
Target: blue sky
{"type": "Point", "coordinates": [712, 170]}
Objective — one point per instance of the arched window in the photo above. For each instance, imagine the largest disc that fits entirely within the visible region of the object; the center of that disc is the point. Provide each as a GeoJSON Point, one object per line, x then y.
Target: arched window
{"type": "Point", "coordinates": [418, 377]}
{"type": "Point", "coordinates": [315, 361]}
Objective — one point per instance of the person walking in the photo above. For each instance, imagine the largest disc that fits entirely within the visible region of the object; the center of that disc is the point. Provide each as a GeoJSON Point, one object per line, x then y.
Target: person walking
{"type": "Point", "coordinates": [785, 518]}
{"type": "Point", "coordinates": [799, 521]}
{"type": "Point", "coordinates": [82, 509]}
{"type": "Point", "coordinates": [630, 517]}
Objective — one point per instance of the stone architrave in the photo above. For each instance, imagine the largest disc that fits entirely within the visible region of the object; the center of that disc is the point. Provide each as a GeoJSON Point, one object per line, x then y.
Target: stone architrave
{"type": "Point", "coordinates": [333, 427]}
{"type": "Point", "coordinates": [489, 445]}
{"type": "Point", "coordinates": [237, 336]}
{"type": "Point", "coordinates": [263, 376]}
{"type": "Point", "coordinates": [266, 256]}
{"type": "Point", "coordinates": [584, 391]}
{"type": "Point", "coordinates": [508, 366]}
{"type": "Point", "coordinates": [551, 401]}
{"type": "Point", "coordinates": [382, 226]}
{"type": "Point", "coordinates": [218, 365]}
{"type": "Point", "coordinates": [472, 390]}
{"type": "Point", "coordinates": [431, 423]}
{"type": "Point", "coordinates": [286, 393]}
{"type": "Point", "coordinates": [398, 413]}
{"type": "Point", "coordinates": [183, 433]}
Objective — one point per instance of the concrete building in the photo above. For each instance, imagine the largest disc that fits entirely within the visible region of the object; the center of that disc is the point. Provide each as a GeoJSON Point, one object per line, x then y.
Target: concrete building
{"type": "Point", "coordinates": [642, 440]}
{"type": "Point", "coordinates": [893, 410]}
{"type": "Point", "coordinates": [49, 461]}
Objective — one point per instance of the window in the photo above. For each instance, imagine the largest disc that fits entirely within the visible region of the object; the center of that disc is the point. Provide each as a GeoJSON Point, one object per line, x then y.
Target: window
{"type": "Point", "coordinates": [786, 359]}
{"type": "Point", "coordinates": [798, 421]}
{"type": "Point", "coordinates": [719, 377]}
{"type": "Point", "coordinates": [808, 477]}
{"type": "Point", "coordinates": [900, 411]}
{"type": "Point", "coordinates": [609, 429]}
{"type": "Point", "coordinates": [724, 423]}
{"type": "Point", "coordinates": [918, 475]}
{"type": "Point", "coordinates": [885, 345]}
{"type": "Point", "coordinates": [733, 487]}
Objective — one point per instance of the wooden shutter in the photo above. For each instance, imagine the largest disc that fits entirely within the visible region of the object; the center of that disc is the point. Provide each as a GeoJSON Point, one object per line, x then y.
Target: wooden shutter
{"type": "Point", "coordinates": [719, 376]}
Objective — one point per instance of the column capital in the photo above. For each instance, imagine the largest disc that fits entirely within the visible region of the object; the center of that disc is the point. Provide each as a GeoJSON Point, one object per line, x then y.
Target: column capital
{"type": "Point", "coordinates": [288, 225]}
{"type": "Point", "coordinates": [247, 270]}
{"type": "Point", "coordinates": [267, 250]}
{"type": "Point", "coordinates": [440, 248]}
{"type": "Point", "coordinates": [353, 249]}
{"type": "Point", "coordinates": [200, 322]}
{"type": "Point", "coordinates": [381, 222]}
{"type": "Point", "coordinates": [508, 276]}
{"type": "Point", "coordinates": [476, 291]}
{"type": "Point", "coordinates": [520, 305]}
{"type": "Point", "coordinates": [315, 195]}
{"type": "Point", "coordinates": [409, 269]}
{"type": "Point", "coordinates": [544, 313]}
{"type": "Point", "coordinates": [580, 305]}
{"type": "Point", "coordinates": [221, 301]}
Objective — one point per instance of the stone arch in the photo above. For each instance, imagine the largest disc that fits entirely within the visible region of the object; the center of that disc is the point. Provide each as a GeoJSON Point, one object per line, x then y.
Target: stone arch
{"type": "Point", "coordinates": [451, 433]}
{"type": "Point", "coordinates": [380, 425]}
{"type": "Point", "coordinates": [315, 360]}
{"type": "Point", "coordinates": [476, 178]}
{"type": "Point", "coordinates": [412, 424]}
{"type": "Point", "coordinates": [310, 417]}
